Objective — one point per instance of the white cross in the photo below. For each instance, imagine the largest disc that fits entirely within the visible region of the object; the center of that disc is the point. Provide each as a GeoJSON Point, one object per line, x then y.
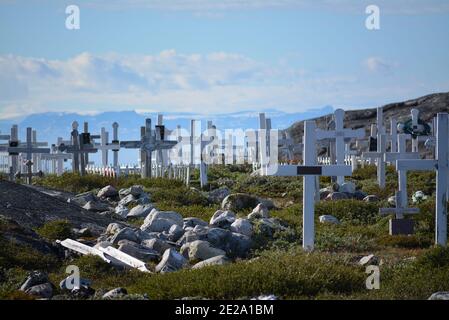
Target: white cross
{"type": "Point", "coordinates": [340, 134]}
{"type": "Point", "coordinates": [379, 157]}
{"type": "Point", "coordinates": [104, 146]}
{"type": "Point", "coordinates": [288, 146]}
{"type": "Point", "coordinates": [78, 148]}
{"type": "Point", "coordinates": [310, 171]}
{"type": "Point", "coordinates": [148, 144]}
{"type": "Point", "coordinates": [441, 166]}
{"type": "Point", "coordinates": [402, 154]}
{"type": "Point", "coordinates": [57, 158]}
{"type": "Point", "coordinates": [400, 210]}
{"type": "Point", "coordinates": [205, 141]}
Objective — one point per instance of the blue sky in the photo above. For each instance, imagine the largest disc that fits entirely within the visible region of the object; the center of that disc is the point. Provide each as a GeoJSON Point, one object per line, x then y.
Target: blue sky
{"type": "Point", "coordinates": [208, 56]}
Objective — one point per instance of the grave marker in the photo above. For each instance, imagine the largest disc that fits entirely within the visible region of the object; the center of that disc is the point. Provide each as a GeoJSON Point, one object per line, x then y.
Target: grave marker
{"type": "Point", "coordinates": [149, 143]}
{"type": "Point", "coordinates": [340, 134]}
{"type": "Point", "coordinates": [441, 166]}
{"type": "Point", "coordinates": [310, 171]}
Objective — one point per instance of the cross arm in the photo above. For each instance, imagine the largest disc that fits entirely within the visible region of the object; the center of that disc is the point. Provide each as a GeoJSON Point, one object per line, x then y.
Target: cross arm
{"type": "Point", "coordinates": [131, 144]}
{"type": "Point", "coordinates": [329, 171]}
{"type": "Point", "coordinates": [403, 211]}
{"type": "Point", "coordinates": [393, 156]}
{"type": "Point", "coordinates": [417, 165]}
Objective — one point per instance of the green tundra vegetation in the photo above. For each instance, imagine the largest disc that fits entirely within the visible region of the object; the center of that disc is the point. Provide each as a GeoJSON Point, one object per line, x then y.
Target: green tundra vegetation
{"type": "Point", "coordinates": [411, 267]}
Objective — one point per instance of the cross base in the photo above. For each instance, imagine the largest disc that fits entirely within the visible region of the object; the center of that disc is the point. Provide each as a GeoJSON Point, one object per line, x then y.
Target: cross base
{"type": "Point", "coordinates": [402, 227]}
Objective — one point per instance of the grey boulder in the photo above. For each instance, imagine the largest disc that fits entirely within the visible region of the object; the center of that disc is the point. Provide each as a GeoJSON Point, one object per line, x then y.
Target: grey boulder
{"type": "Point", "coordinates": [442, 295]}
{"type": "Point", "coordinates": [137, 251]}
{"type": "Point", "coordinates": [140, 211]}
{"type": "Point", "coordinates": [135, 191]}
{"type": "Point", "coordinates": [200, 250]}
{"type": "Point", "coordinates": [329, 219]}
{"type": "Point", "coordinates": [44, 290]}
{"type": "Point", "coordinates": [96, 206]}
{"type": "Point", "coordinates": [107, 192]}
{"type": "Point", "coordinates": [115, 293]}
{"type": "Point", "coordinates": [214, 261]}
{"type": "Point", "coordinates": [171, 261]}
{"type": "Point", "coordinates": [124, 234]}
{"type": "Point", "coordinates": [34, 278]}
{"type": "Point", "coordinates": [160, 221]}
{"type": "Point", "coordinates": [239, 201]}
{"type": "Point", "coordinates": [222, 219]}
{"type": "Point", "coordinates": [158, 245]}
{"type": "Point", "coordinates": [260, 211]}
{"type": "Point", "coordinates": [242, 226]}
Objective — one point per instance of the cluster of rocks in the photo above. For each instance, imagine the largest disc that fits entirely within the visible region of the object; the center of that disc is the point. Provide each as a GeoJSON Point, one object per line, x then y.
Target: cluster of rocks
{"type": "Point", "coordinates": [131, 202]}
{"type": "Point", "coordinates": [347, 190]}
{"type": "Point", "coordinates": [38, 285]}
{"type": "Point", "coordinates": [173, 242]}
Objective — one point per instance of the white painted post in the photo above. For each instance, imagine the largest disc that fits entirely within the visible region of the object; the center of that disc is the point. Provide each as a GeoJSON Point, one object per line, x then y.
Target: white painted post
{"type": "Point", "coordinates": [104, 150]}
{"type": "Point", "coordinates": [442, 156]}
{"type": "Point", "coordinates": [393, 135]}
{"type": "Point", "coordinates": [309, 155]}
{"type": "Point", "coordinates": [441, 165]}
{"type": "Point", "coordinates": [116, 143]}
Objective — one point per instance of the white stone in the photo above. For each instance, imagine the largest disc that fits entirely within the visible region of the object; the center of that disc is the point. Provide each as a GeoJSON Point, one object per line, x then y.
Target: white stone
{"type": "Point", "coordinates": [159, 221]}
{"type": "Point", "coordinates": [329, 219]}
{"type": "Point", "coordinates": [214, 261]}
{"type": "Point", "coordinates": [222, 218]}
{"type": "Point", "coordinates": [242, 226]}
{"type": "Point", "coordinates": [260, 211]}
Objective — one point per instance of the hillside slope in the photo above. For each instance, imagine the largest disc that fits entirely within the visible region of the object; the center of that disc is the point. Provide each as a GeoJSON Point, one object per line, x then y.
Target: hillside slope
{"type": "Point", "coordinates": [428, 106]}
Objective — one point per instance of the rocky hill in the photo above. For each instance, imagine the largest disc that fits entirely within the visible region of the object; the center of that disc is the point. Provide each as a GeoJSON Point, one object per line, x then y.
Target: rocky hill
{"type": "Point", "coordinates": [428, 106]}
{"type": "Point", "coordinates": [32, 208]}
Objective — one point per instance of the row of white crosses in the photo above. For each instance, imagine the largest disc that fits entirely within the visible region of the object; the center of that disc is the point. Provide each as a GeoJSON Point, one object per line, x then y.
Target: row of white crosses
{"type": "Point", "coordinates": [29, 149]}
{"type": "Point", "coordinates": [150, 141]}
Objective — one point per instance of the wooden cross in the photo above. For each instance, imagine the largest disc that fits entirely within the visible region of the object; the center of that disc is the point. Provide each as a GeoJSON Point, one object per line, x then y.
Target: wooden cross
{"type": "Point", "coordinates": [402, 154]}
{"type": "Point", "coordinates": [400, 210]}
{"type": "Point", "coordinates": [340, 134]}
{"type": "Point", "coordinates": [310, 171]}
{"type": "Point", "coordinates": [288, 146]}
{"type": "Point", "coordinates": [379, 157]}
{"type": "Point", "coordinates": [57, 157]}
{"type": "Point", "coordinates": [29, 150]}
{"type": "Point", "coordinates": [148, 144]}
{"type": "Point", "coordinates": [104, 146]}
{"type": "Point", "coordinates": [79, 147]}
{"type": "Point", "coordinates": [205, 141]}
{"type": "Point", "coordinates": [441, 166]}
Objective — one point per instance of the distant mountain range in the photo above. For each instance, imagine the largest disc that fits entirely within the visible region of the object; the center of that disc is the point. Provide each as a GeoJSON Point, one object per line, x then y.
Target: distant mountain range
{"type": "Point", "coordinates": [51, 125]}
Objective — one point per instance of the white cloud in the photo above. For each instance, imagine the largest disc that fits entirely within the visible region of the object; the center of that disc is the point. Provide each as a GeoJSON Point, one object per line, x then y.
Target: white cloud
{"type": "Point", "coordinates": [212, 83]}
{"type": "Point", "coordinates": [379, 65]}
